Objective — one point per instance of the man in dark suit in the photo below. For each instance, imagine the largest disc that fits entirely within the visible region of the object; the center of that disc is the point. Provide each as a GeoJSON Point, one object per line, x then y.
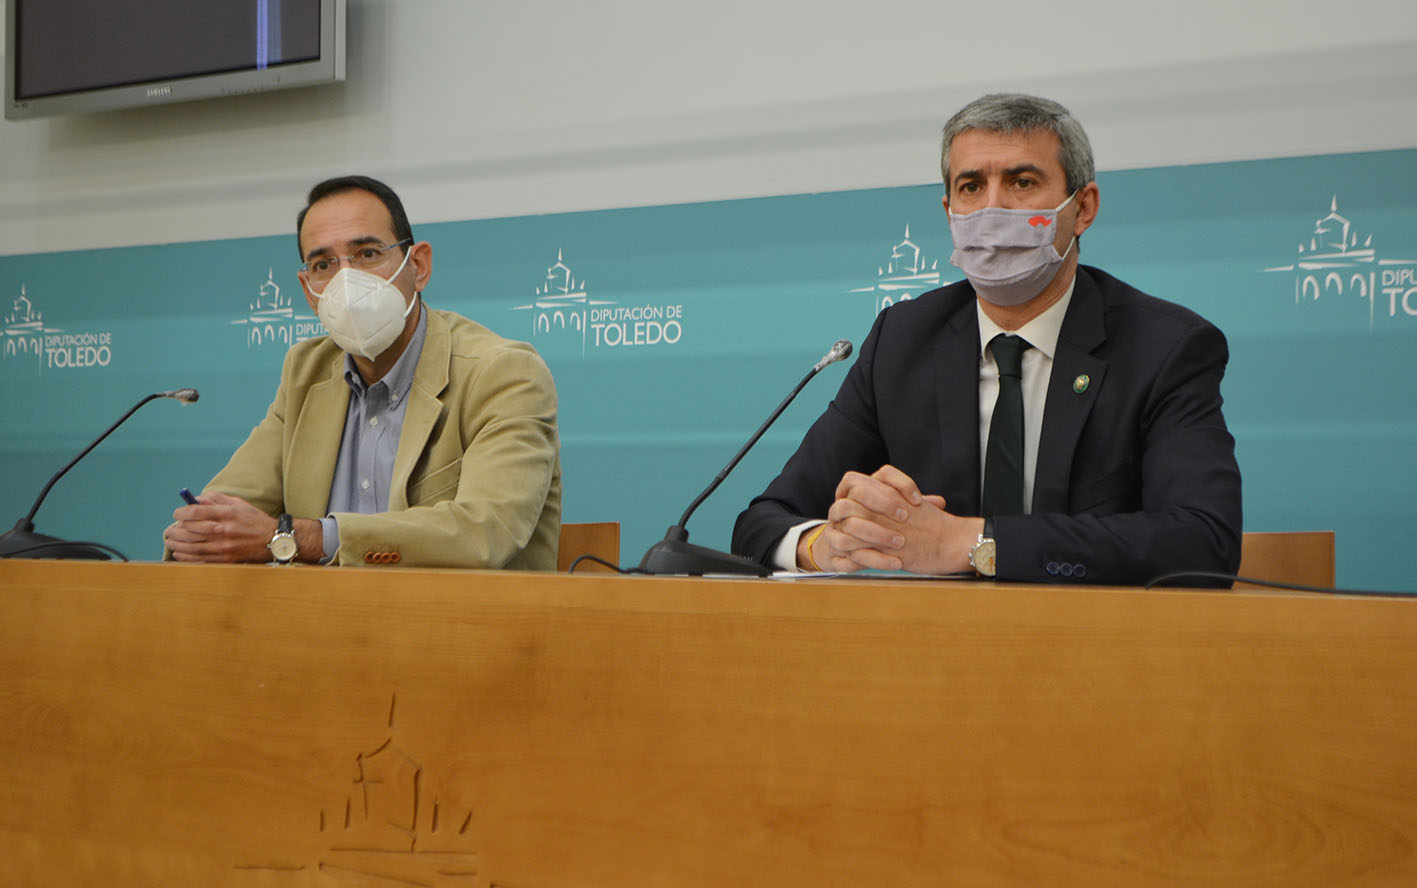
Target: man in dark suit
{"type": "Point", "coordinates": [1117, 465]}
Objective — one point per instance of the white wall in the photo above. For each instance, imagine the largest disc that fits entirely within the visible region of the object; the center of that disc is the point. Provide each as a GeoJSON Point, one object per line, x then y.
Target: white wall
{"type": "Point", "coordinates": [481, 109]}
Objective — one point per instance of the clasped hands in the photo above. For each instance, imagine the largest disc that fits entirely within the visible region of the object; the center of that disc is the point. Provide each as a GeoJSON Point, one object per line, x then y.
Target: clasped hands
{"type": "Point", "coordinates": [883, 521]}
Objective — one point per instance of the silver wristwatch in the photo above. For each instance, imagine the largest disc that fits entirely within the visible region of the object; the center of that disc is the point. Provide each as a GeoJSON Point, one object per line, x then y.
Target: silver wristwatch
{"type": "Point", "coordinates": [283, 546]}
{"type": "Point", "coordinates": [982, 556]}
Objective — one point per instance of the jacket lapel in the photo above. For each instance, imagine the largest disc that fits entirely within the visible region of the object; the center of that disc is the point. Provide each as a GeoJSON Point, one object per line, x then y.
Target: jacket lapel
{"type": "Point", "coordinates": [1066, 411]}
{"type": "Point", "coordinates": [430, 378]}
{"type": "Point", "coordinates": [955, 361]}
{"type": "Point", "coordinates": [315, 443]}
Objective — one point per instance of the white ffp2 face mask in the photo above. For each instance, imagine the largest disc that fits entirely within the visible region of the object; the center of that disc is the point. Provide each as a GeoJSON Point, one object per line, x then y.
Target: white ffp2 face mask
{"type": "Point", "coordinates": [1008, 255]}
{"type": "Point", "coordinates": [362, 312]}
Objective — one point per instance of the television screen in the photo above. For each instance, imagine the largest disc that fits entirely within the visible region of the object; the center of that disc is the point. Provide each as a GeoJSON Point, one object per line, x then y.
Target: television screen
{"type": "Point", "coordinates": [66, 56]}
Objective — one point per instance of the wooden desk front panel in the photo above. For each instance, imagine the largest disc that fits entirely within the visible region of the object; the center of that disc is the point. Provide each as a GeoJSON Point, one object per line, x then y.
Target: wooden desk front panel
{"type": "Point", "coordinates": [250, 726]}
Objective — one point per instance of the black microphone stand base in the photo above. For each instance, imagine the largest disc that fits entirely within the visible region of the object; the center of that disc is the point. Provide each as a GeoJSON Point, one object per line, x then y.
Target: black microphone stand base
{"type": "Point", "coordinates": [23, 542]}
{"type": "Point", "coordinates": [681, 557]}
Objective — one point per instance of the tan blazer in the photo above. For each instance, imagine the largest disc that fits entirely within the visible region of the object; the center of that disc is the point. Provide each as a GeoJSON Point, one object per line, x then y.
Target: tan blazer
{"type": "Point", "coordinates": [477, 478]}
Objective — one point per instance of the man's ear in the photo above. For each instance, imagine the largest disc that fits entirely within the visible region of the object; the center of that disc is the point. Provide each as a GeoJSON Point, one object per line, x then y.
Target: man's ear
{"type": "Point", "coordinates": [1089, 201]}
{"type": "Point", "coordinates": [421, 258]}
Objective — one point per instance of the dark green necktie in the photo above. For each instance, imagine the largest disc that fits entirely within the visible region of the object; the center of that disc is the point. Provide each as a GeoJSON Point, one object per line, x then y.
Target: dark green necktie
{"type": "Point", "coordinates": [1003, 460]}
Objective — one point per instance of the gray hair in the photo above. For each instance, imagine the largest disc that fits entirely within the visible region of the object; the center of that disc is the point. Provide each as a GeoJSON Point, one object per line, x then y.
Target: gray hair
{"type": "Point", "coordinates": [1010, 113]}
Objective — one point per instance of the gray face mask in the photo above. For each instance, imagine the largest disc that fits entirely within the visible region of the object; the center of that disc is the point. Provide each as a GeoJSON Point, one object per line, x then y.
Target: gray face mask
{"type": "Point", "coordinates": [1008, 255]}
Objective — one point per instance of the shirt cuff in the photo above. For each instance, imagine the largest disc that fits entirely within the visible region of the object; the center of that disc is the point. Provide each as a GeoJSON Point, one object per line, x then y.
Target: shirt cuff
{"type": "Point", "coordinates": [784, 557]}
{"type": "Point", "coordinates": [331, 541]}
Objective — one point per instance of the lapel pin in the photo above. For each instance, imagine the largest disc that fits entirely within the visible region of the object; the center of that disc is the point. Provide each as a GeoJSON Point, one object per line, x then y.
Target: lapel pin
{"type": "Point", "coordinates": [1080, 384]}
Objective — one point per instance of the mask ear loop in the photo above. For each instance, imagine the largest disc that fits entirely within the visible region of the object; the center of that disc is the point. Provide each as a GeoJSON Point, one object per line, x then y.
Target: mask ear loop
{"type": "Point", "coordinates": [1074, 240]}
{"type": "Point", "coordinates": [417, 294]}
{"type": "Point", "coordinates": [398, 271]}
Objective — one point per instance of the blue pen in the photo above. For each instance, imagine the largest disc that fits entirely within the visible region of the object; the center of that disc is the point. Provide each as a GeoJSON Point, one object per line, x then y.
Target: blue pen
{"type": "Point", "coordinates": [187, 495]}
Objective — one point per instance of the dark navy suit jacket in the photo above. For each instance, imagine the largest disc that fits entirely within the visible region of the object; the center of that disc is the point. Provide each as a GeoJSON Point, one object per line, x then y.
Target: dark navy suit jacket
{"type": "Point", "coordinates": [1136, 474]}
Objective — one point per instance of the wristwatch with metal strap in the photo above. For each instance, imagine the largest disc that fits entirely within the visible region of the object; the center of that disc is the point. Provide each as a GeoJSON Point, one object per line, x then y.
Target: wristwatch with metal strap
{"type": "Point", "coordinates": [982, 556]}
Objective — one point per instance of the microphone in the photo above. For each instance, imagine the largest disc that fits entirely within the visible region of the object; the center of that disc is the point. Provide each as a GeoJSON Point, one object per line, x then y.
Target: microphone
{"type": "Point", "coordinates": [21, 541]}
{"type": "Point", "coordinates": [675, 554]}
{"type": "Point", "coordinates": [186, 396]}
{"type": "Point", "coordinates": [840, 349]}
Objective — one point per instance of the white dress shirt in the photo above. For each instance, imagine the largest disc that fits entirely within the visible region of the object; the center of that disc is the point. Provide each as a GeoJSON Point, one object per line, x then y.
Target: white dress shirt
{"type": "Point", "coordinates": [1041, 333]}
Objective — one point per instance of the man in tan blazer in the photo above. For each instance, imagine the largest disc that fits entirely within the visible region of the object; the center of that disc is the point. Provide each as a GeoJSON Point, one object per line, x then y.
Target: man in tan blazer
{"type": "Point", "coordinates": [420, 439]}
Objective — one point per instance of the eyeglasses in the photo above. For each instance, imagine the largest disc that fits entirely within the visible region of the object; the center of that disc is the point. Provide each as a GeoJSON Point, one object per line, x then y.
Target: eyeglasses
{"type": "Point", "coordinates": [366, 258]}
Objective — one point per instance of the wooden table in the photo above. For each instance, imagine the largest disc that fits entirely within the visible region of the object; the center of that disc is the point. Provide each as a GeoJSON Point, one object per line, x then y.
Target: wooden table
{"type": "Point", "coordinates": [173, 725]}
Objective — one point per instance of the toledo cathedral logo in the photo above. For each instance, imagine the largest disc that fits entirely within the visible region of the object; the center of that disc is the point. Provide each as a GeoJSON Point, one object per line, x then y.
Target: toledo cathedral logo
{"type": "Point", "coordinates": [563, 310]}
{"type": "Point", "coordinates": [272, 317]}
{"type": "Point", "coordinates": [1337, 262]}
{"type": "Point", "coordinates": [904, 276]}
{"type": "Point", "coordinates": [52, 348]}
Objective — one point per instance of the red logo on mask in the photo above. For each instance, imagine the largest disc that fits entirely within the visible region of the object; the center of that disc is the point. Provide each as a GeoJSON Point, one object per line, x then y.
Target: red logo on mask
{"type": "Point", "coordinates": [1036, 221]}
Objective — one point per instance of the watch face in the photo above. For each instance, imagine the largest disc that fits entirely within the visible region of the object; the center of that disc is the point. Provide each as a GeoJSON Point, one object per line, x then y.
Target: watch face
{"type": "Point", "coordinates": [283, 547]}
{"type": "Point", "coordinates": [982, 557]}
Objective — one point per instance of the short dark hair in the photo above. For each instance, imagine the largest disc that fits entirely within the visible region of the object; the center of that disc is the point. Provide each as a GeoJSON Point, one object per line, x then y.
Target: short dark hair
{"type": "Point", "coordinates": [341, 184]}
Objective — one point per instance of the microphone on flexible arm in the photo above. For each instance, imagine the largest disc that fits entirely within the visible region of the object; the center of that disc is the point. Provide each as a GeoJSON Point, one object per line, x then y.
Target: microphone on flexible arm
{"type": "Point", "coordinates": [21, 541]}
{"type": "Point", "coordinates": [675, 554]}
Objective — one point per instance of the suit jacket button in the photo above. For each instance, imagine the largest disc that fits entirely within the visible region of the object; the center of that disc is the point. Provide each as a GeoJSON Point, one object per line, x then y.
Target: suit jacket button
{"type": "Point", "coordinates": [1079, 570]}
{"type": "Point", "coordinates": [1052, 568]}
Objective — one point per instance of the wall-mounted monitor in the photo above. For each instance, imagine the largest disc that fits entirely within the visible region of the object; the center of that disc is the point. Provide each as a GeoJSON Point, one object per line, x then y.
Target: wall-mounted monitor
{"type": "Point", "coordinates": [77, 56]}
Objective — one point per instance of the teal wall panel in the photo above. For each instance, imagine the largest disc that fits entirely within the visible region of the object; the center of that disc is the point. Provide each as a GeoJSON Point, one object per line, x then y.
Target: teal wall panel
{"type": "Point", "coordinates": [672, 331]}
